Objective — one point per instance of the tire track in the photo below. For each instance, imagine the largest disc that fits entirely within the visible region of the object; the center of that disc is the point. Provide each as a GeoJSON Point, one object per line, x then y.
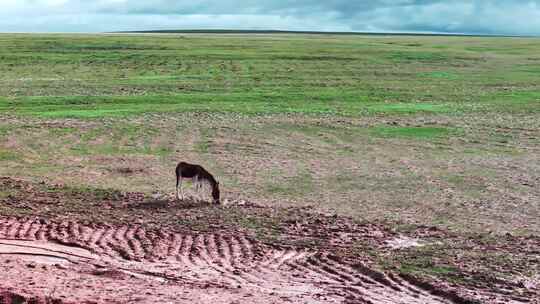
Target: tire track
{"type": "Point", "coordinates": [94, 237]}
{"type": "Point", "coordinates": [224, 251]}
{"type": "Point", "coordinates": [374, 286]}
{"type": "Point", "coordinates": [235, 250]}
{"type": "Point", "coordinates": [226, 260]}
{"type": "Point", "coordinates": [124, 249]}
{"type": "Point", "coordinates": [145, 243]}
{"type": "Point", "coordinates": [160, 245]}
{"type": "Point", "coordinates": [211, 256]}
{"type": "Point", "coordinates": [175, 246]}
{"type": "Point", "coordinates": [134, 244]}
{"type": "Point", "coordinates": [33, 232]}
{"type": "Point", "coordinates": [24, 228]}
{"type": "Point", "coordinates": [13, 229]}
{"type": "Point", "coordinates": [186, 251]}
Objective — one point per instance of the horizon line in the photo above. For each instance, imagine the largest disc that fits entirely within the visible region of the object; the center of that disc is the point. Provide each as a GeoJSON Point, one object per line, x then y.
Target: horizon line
{"type": "Point", "coordinates": [277, 31]}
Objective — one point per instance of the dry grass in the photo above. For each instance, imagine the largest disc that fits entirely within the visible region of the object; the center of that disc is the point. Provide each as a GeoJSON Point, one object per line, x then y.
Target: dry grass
{"type": "Point", "coordinates": [485, 177]}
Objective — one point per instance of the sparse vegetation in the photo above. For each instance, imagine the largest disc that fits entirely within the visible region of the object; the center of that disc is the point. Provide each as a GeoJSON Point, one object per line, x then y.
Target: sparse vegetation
{"type": "Point", "coordinates": [409, 132]}
{"type": "Point", "coordinates": [413, 132]}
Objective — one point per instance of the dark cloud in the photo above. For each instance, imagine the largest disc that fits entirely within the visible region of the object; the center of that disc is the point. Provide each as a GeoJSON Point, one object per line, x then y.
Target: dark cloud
{"type": "Point", "coordinates": [447, 16]}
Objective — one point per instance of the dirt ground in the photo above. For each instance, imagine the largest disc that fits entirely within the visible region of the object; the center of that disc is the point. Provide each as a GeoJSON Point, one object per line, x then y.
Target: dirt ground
{"type": "Point", "coordinates": [61, 246]}
{"type": "Point", "coordinates": [130, 264]}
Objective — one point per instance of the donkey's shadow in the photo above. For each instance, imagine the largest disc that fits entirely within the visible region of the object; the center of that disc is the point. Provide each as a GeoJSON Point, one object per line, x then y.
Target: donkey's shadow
{"type": "Point", "coordinates": [165, 203]}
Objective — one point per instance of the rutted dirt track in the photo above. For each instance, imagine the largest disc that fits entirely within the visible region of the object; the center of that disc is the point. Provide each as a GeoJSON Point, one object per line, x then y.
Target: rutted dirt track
{"type": "Point", "coordinates": [194, 265]}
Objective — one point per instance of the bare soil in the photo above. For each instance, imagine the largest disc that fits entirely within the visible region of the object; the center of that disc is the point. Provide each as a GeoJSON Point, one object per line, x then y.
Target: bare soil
{"type": "Point", "coordinates": [128, 262]}
{"type": "Point", "coordinates": [61, 245]}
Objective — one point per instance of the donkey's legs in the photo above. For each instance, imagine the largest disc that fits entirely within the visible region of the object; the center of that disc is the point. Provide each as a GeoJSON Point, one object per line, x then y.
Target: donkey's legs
{"type": "Point", "coordinates": [197, 186]}
{"type": "Point", "coordinates": [179, 185]}
{"type": "Point", "coordinates": [200, 193]}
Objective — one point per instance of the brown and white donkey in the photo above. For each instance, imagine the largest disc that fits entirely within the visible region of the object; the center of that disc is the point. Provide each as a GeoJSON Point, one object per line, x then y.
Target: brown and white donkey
{"type": "Point", "coordinates": [198, 175]}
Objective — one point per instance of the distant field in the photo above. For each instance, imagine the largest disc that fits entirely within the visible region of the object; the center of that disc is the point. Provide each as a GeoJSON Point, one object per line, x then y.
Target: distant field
{"type": "Point", "coordinates": [69, 76]}
{"type": "Point", "coordinates": [411, 132]}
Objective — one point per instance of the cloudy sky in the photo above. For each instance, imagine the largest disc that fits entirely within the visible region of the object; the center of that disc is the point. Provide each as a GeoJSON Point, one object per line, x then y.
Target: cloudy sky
{"type": "Point", "coordinates": [507, 17]}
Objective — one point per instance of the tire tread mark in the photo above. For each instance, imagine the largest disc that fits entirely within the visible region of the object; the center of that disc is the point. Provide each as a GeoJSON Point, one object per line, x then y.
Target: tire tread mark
{"type": "Point", "coordinates": [146, 244]}
{"type": "Point", "coordinates": [134, 244]}
{"type": "Point", "coordinates": [13, 228]}
{"type": "Point", "coordinates": [95, 236]}
{"type": "Point", "coordinates": [34, 229]}
{"type": "Point", "coordinates": [210, 255]}
{"type": "Point", "coordinates": [173, 252]}
{"type": "Point", "coordinates": [23, 229]}
{"type": "Point", "coordinates": [73, 233]}
{"type": "Point", "coordinates": [122, 244]}
{"type": "Point", "coordinates": [361, 276]}
{"type": "Point", "coordinates": [223, 247]}
{"type": "Point", "coordinates": [185, 251]}
{"type": "Point", "coordinates": [160, 245]}
{"type": "Point", "coordinates": [236, 252]}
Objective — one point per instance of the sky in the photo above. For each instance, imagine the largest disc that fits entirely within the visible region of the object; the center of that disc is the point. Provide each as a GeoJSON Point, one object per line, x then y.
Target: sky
{"type": "Point", "coordinates": [497, 17]}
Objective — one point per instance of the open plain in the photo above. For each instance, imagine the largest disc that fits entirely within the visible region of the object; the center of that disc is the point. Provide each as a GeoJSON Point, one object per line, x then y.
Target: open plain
{"type": "Point", "coordinates": [354, 169]}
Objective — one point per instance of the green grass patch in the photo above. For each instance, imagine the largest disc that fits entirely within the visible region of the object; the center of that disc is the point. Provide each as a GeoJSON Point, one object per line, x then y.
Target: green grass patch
{"type": "Point", "coordinates": [422, 56]}
{"type": "Point", "coordinates": [409, 108]}
{"type": "Point", "coordinates": [5, 130]}
{"type": "Point", "coordinates": [327, 103]}
{"type": "Point", "coordinates": [246, 103]}
{"type": "Point", "coordinates": [204, 142]}
{"type": "Point", "coordinates": [412, 132]}
{"type": "Point", "coordinates": [512, 102]}
{"type": "Point", "coordinates": [443, 271]}
{"type": "Point", "coordinates": [6, 155]}
{"type": "Point", "coordinates": [439, 75]}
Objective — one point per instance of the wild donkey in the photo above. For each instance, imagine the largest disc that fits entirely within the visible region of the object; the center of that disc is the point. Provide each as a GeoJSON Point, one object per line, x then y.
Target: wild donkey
{"type": "Point", "coordinates": [198, 175]}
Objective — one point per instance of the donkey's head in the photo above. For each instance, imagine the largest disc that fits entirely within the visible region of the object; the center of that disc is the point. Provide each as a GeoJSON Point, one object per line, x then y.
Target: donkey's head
{"type": "Point", "coordinates": [215, 193]}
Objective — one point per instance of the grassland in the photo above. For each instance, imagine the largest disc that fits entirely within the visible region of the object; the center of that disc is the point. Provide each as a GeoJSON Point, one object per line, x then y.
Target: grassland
{"type": "Point", "coordinates": [412, 131]}
{"type": "Point", "coordinates": [88, 76]}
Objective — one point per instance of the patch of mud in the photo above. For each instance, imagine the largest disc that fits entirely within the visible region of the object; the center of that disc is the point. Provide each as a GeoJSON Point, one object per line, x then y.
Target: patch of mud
{"type": "Point", "coordinates": [404, 242]}
{"type": "Point", "coordinates": [530, 283]}
{"type": "Point", "coordinates": [162, 264]}
{"type": "Point", "coordinates": [7, 297]}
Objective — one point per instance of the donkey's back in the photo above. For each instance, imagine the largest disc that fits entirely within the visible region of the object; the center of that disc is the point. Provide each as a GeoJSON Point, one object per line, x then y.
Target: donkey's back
{"type": "Point", "coordinates": [186, 170]}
